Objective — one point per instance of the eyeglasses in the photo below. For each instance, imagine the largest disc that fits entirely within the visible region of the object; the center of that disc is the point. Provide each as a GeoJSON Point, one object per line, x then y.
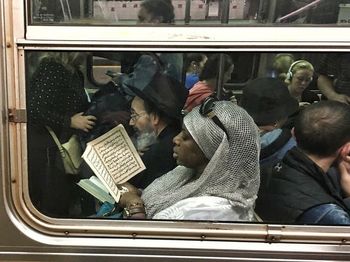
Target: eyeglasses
{"type": "Point", "coordinates": [135, 116]}
{"type": "Point", "coordinates": [207, 109]}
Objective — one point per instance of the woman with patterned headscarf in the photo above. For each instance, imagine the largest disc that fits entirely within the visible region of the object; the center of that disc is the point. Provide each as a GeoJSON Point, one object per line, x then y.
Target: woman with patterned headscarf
{"type": "Point", "coordinates": [217, 177]}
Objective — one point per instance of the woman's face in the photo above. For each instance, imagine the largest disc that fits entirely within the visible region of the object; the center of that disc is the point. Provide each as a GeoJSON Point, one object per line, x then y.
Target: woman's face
{"type": "Point", "coordinates": [187, 153]}
{"type": "Point", "coordinates": [300, 80]}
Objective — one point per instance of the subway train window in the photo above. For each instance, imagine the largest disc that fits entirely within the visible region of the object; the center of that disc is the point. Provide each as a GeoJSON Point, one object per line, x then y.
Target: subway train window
{"type": "Point", "coordinates": [84, 95]}
{"type": "Point", "coordinates": [193, 12]}
{"type": "Point", "coordinates": [178, 136]}
{"type": "Point", "coordinates": [174, 130]}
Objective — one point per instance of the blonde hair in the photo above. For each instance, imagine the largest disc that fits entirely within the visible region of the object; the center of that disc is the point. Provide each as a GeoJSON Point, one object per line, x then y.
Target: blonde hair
{"type": "Point", "coordinates": [296, 66]}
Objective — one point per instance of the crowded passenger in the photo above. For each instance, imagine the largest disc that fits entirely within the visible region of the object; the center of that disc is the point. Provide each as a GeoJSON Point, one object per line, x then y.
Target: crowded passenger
{"type": "Point", "coordinates": [281, 64]}
{"type": "Point", "coordinates": [56, 99]}
{"type": "Point", "coordinates": [155, 116]}
{"type": "Point", "coordinates": [334, 77]}
{"type": "Point", "coordinates": [299, 76]}
{"type": "Point", "coordinates": [268, 102]}
{"type": "Point", "coordinates": [208, 79]}
{"type": "Point", "coordinates": [217, 177]}
{"type": "Point", "coordinates": [162, 12]}
{"type": "Point", "coordinates": [134, 65]}
{"type": "Point", "coordinates": [110, 108]}
{"type": "Point", "coordinates": [301, 190]}
{"type": "Point", "coordinates": [194, 63]}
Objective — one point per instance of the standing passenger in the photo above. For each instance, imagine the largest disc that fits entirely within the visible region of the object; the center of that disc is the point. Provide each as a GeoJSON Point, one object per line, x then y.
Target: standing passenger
{"type": "Point", "coordinates": [194, 64]}
{"type": "Point", "coordinates": [209, 80]}
{"type": "Point", "coordinates": [334, 77]}
{"type": "Point", "coordinates": [56, 98]}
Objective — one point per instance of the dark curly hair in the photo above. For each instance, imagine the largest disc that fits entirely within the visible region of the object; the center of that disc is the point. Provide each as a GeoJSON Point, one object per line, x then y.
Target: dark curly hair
{"type": "Point", "coordinates": [160, 8]}
{"type": "Point", "coordinates": [211, 67]}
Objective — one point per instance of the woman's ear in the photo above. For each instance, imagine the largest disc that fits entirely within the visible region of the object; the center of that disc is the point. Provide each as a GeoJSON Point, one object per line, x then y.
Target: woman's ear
{"type": "Point", "coordinates": [345, 150]}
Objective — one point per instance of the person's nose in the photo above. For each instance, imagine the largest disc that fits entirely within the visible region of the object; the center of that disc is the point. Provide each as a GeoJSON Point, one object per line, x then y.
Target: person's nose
{"type": "Point", "coordinates": [176, 140]}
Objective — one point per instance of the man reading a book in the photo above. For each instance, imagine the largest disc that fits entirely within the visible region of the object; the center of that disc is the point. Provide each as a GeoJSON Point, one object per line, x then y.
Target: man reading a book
{"type": "Point", "coordinates": [156, 118]}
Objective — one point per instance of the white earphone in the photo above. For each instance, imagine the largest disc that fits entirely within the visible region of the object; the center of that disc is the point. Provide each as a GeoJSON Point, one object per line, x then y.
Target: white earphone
{"type": "Point", "coordinates": [290, 73]}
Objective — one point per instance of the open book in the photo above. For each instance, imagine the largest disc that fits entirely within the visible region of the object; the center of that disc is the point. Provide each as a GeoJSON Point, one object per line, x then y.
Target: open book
{"type": "Point", "coordinates": [114, 159]}
{"type": "Point", "coordinates": [95, 187]}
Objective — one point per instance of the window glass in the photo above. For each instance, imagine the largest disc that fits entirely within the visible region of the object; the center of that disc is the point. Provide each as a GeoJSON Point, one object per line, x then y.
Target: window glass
{"type": "Point", "coordinates": [193, 12]}
{"type": "Point", "coordinates": [189, 142]}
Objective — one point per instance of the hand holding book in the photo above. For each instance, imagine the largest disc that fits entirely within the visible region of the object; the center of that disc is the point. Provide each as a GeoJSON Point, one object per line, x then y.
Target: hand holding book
{"type": "Point", "coordinates": [114, 159]}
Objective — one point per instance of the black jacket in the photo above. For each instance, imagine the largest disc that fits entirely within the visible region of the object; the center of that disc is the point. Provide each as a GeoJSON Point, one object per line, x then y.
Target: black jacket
{"type": "Point", "coordinates": [297, 184]}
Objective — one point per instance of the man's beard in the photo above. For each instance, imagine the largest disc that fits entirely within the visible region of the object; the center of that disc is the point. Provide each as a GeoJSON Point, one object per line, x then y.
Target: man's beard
{"type": "Point", "coordinates": [144, 139]}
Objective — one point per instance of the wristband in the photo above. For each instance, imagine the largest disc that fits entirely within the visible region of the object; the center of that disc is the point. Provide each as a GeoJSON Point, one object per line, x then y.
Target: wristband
{"type": "Point", "coordinates": [135, 208]}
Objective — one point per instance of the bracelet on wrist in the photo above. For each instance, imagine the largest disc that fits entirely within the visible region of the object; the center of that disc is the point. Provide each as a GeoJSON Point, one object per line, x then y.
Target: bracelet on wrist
{"type": "Point", "coordinates": [133, 209]}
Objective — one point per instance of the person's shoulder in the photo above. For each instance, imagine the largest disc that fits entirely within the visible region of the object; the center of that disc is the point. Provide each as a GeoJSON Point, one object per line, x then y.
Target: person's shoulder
{"type": "Point", "coordinates": [325, 214]}
{"type": "Point", "coordinates": [51, 64]}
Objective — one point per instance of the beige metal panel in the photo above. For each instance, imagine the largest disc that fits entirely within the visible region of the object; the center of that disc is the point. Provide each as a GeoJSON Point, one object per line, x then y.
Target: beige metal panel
{"type": "Point", "coordinates": [29, 220]}
{"type": "Point", "coordinates": [253, 36]}
{"type": "Point", "coordinates": [176, 237]}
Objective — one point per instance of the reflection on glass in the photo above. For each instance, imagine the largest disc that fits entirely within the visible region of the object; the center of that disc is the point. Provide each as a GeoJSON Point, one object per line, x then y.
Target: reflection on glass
{"type": "Point", "coordinates": [86, 94]}
{"type": "Point", "coordinates": [196, 12]}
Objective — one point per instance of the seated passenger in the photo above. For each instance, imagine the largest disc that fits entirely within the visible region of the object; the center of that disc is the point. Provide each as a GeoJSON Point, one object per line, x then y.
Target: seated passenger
{"type": "Point", "coordinates": [268, 102]}
{"type": "Point", "coordinates": [155, 116]}
{"type": "Point", "coordinates": [194, 63]}
{"type": "Point", "coordinates": [301, 191]}
{"type": "Point", "coordinates": [299, 76]}
{"type": "Point", "coordinates": [218, 173]}
{"type": "Point", "coordinates": [208, 80]}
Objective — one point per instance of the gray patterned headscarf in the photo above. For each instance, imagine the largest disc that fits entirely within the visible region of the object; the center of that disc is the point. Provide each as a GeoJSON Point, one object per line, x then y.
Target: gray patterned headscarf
{"type": "Point", "coordinates": [233, 169]}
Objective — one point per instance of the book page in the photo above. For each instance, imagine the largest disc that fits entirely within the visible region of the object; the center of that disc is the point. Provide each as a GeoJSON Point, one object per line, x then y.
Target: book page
{"type": "Point", "coordinates": [94, 188]}
{"type": "Point", "coordinates": [97, 182]}
{"type": "Point", "coordinates": [113, 158]}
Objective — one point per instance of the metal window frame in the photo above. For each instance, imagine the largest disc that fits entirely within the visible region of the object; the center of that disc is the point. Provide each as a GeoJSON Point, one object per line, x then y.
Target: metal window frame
{"type": "Point", "coordinates": [104, 233]}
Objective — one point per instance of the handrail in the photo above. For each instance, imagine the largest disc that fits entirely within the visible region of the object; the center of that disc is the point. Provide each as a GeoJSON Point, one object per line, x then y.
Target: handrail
{"type": "Point", "coordinates": [299, 11]}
